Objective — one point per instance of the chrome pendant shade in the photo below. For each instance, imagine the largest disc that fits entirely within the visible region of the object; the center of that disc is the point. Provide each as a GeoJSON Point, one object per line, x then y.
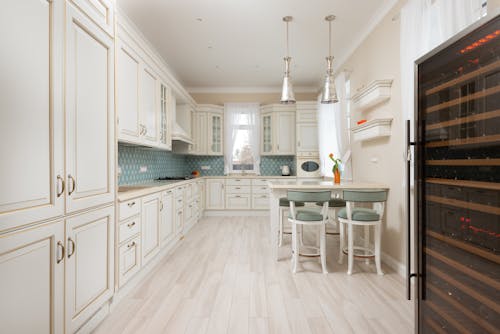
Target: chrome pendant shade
{"type": "Point", "coordinates": [329, 93]}
{"type": "Point", "coordinates": [287, 95]}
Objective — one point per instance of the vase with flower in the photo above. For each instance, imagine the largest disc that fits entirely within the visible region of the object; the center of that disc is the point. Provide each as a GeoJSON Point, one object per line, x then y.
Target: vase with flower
{"type": "Point", "coordinates": [335, 168]}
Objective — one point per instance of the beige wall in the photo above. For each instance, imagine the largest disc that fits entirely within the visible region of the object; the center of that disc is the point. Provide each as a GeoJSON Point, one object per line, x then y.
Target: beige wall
{"type": "Point", "coordinates": [378, 58]}
{"type": "Point", "coordinates": [262, 98]}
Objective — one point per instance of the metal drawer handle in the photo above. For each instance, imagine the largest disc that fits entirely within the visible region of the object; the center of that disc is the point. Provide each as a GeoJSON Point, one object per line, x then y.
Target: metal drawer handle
{"type": "Point", "coordinates": [61, 246]}
{"type": "Point", "coordinates": [132, 244]}
{"type": "Point", "coordinates": [238, 196]}
{"type": "Point", "coordinates": [131, 204]}
{"type": "Point", "coordinates": [130, 225]}
{"type": "Point", "coordinates": [161, 205]}
{"type": "Point", "coordinates": [73, 184]}
{"type": "Point", "coordinates": [60, 179]}
{"type": "Point", "coordinates": [238, 188]}
{"type": "Point", "coordinates": [73, 247]}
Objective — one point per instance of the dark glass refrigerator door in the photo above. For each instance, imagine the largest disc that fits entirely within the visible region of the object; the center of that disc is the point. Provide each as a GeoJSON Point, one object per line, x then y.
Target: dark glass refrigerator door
{"type": "Point", "coordinates": [458, 185]}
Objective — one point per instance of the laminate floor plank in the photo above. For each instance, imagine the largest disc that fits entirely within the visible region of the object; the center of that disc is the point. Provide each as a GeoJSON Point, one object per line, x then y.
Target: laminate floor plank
{"type": "Point", "coordinates": [221, 279]}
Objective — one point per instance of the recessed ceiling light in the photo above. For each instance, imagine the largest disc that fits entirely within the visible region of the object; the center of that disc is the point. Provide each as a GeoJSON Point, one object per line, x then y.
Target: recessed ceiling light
{"type": "Point", "coordinates": [210, 47]}
{"type": "Point", "coordinates": [199, 19]}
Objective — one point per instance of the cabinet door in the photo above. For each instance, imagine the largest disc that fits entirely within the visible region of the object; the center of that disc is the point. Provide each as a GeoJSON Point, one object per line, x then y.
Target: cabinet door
{"type": "Point", "coordinates": [89, 113]}
{"type": "Point", "coordinates": [284, 129]}
{"type": "Point", "coordinates": [165, 123]}
{"type": "Point", "coordinates": [149, 106]}
{"type": "Point", "coordinates": [31, 117]}
{"type": "Point", "coordinates": [89, 264]}
{"type": "Point", "coordinates": [129, 257]}
{"type": "Point", "coordinates": [215, 199]}
{"type": "Point", "coordinates": [166, 217]}
{"type": "Point", "coordinates": [267, 134]}
{"type": "Point", "coordinates": [32, 280]}
{"type": "Point", "coordinates": [127, 96]}
{"type": "Point", "coordinates": [100, 11]}
{"type": "Point", "coordinates": [307, 137]}
{"type": "Point", "coordinates": [215, 134]}
{"type": "Point", "coordinates": [150, 226]}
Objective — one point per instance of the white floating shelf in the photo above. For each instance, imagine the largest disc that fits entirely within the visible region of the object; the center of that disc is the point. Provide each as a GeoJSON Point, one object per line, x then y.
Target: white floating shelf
{"type": "Point", "coordinates": [373, 129]}
{"type": "Point", "coordinates": [375, 93]}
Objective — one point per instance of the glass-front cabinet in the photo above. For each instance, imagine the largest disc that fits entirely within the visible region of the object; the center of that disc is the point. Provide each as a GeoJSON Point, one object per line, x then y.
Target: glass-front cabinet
{"type": "Point", "coordinates": [267, 139]}
{"type": "Point", "coordinates": [165, 135]}
{"type": "Point", "coordinates": [215, 134]}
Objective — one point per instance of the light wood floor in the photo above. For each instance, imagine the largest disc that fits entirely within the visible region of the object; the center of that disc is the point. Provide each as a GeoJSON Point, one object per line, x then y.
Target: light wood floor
{"type": "Point", "coordinates": [221, 279]}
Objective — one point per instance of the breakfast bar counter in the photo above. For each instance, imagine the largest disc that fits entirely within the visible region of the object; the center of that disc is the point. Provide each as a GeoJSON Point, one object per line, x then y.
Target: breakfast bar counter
{"type": "Point", "coordinates": [278, 189]}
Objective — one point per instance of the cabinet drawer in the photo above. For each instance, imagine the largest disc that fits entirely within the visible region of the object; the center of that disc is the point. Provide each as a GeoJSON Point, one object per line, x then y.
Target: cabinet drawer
{"type": "Point", "coordinates": [238, 182]}
{"type": "Point", "coordinates": [179, 191]}
{"type": "Point", "coordinates": [129, 228]}
{"type": "Point", "coordinates": [238, 189]}
{"type": "Point", "coordinates": [234, 201]}
{"type": "Point", "coordinates": [260, 202]}
{"type": "Point", "coordinates": [260, 189]}
{"type": "Point", "coordinates": [130, 208]}
{"type": "Point", "coordinates": [129, 260]}
{"type": "Point", "coordinates": [261, 182]}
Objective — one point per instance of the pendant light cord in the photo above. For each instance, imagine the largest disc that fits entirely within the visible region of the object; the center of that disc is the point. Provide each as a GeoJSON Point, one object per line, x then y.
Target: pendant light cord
{"type": "Point", "coordinates": [287, 50]}
{"type": "Point", "coordinates": [329, 38]}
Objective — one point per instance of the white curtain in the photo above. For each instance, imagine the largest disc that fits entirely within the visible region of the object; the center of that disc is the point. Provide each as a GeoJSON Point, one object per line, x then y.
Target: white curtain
{"type": "Point", "coordinates": [333, 135]}
{"type": "Point", "coordinates": [241, 116]}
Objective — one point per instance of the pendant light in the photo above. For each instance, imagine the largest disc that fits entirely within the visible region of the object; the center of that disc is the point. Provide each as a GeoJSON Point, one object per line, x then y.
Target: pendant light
{"type": "Point", "coordinates": [287, 96]}
{"type": "Point", "coordinates": [329, 94]}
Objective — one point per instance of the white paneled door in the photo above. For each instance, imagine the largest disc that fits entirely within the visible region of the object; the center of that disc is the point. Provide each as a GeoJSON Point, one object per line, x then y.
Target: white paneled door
{"type": "Point", "coordinates": [89, 113]}
{"type": "Point", "coordinates": [149, 101]}
{"type": "Point", "coordinates": [307, 137]}
{"type": "Point", "coordinates": [32, 280]}
{"type": "Point", "coordinates": [285, 133]}
{"type": "Point", "coordinates": [215, 199]}
{"type": "Point", "coordinates": [31, 113]}
{"type": "Point", "coordinates": [166, 217]}
{"type": "Point", "coordinates": [89, 265]}
{"type": "Point", "coordinates": [150, 226]}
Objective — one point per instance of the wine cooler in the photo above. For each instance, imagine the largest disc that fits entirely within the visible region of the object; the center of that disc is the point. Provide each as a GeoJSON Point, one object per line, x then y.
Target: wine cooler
{"type": "Point", "coordinates": [457, 183]}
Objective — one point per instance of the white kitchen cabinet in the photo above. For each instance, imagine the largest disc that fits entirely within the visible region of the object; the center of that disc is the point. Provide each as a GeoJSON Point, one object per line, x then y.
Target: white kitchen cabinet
{"type": "Point", "coordinates": [260, 201]}
{"type": "Point", "coordinates": [150, 226]}
{"type": "Point", "coordinates": [149, 102]}
{"type": "Point", "coordinates": [129, 259]}
{"type": "Point", "coordinates": [31, 117]}
{"type": "Point", "coordinates": [199, 132]}
{"type": "Point", "coordinates": [166, 217]}
{"type": "Point", "coordinates": [89, 277]}
{"type": "Point", "coordinates": [215, 134]}
{"type": "Point", "coordinates": [100, 11]}
{"type": "Point", "coordinates": [165, 118]}
{"type": "Point", "coordinates": [89, 113]}
{"type": "Point", "coordinates": [127, 101]}
{"type": "Point", "coordinates": [238, 201]}
{"type": "Point", "coordinates": [277, 130]}
{"type": "Point", "coordinates": [215, 194]}
{"type": "Point", "coordinates": [307, 137]}
{"type": "Point", "coordinates": [32, 280]}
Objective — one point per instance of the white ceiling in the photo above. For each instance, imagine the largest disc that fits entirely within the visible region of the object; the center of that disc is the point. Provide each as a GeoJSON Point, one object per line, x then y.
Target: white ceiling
{"type": "Point", "coordinates": [239, 44]}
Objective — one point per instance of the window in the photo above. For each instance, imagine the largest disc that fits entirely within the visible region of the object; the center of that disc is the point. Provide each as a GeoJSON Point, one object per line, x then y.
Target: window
{"type": "Point", "coordinates": [242, 137]}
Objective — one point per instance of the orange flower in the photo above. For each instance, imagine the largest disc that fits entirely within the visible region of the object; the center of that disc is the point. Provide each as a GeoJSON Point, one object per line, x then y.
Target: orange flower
{"type": "Point", "coordinates": [331, 155]}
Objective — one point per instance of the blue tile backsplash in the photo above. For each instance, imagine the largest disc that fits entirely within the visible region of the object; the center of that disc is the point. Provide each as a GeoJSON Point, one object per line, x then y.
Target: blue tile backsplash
{"type": "Point", "coordinates": [162, 163]}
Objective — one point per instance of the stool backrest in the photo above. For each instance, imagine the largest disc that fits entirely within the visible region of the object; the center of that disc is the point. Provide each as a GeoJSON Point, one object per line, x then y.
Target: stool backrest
{"type": "Point", "coordinates": [365, 195]}
{"type": "Point", "coordinates": [309, 196]}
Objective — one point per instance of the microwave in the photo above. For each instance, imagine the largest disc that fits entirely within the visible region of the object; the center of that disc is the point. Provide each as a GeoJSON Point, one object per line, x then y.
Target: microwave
{"type": "Point", "coordinates": [308, 166]}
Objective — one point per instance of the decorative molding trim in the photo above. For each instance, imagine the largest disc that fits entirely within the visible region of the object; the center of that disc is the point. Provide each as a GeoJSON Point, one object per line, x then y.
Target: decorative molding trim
{"type": "Point", "coordinates": [373, 129]}
{"type": "Point", "coordinates": [376, 92]}
{"type": "Point", "coordinates": [247, 90]}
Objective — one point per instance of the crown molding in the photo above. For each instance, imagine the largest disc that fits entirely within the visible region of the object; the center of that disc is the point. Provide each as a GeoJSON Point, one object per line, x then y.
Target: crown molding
{"type": "Point", "coordinates": [246, 90]}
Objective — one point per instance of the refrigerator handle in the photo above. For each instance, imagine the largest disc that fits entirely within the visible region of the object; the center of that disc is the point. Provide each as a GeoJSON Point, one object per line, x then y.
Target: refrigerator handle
{"type": "Point", "coordinates": [409, 274]}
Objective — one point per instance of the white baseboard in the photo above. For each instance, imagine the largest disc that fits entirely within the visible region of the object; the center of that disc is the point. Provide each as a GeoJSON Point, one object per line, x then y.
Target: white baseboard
{"type": "Point", "coordinates": [232, 213]}
{"type": "Point", "coordinates": [391, 262]}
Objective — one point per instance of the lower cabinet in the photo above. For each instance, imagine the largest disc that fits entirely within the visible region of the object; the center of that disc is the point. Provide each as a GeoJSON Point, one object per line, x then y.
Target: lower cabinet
{"type": "Point", "coordinates": [166, 217]}
{"type": "Point", "coordinates": [89, 265]}
{"type": "Point", "coordinates": [129, 255]}
{"type": "Point", "coordinates": [150, 226]}
{"type": "Point", "coordinates": [32, 280]}
{"type": "Point", "coordinates": [260, 201]}
{"type": "Point", "coordinates": [238, 201]}
{"type": "Point", "coordinates": [215, 194]}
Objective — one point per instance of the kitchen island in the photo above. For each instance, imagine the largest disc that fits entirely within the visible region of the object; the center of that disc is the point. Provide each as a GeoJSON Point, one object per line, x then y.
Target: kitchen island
{"type": "Point", "coordinates": [279, 189]}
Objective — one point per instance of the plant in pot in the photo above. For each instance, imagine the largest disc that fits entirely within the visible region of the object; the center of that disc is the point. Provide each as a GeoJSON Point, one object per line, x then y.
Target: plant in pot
{"type": "Point", "coordinates": [336, 168]}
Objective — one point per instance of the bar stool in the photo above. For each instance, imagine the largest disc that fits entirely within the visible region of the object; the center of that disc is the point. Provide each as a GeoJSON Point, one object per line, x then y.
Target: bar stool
{"type": "Point", "coordinates": [351, 215]}
{"type": "Point", "coordinates": [333, 204]}
{"type": "Point", "coordinates": [308, 217]}
{"type": "Point", "coordinates": [285, 205]}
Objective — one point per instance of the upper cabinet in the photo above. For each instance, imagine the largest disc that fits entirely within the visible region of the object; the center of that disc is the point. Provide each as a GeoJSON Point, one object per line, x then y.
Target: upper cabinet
{"type": "Point", "coordinates": [31, 127]}
{"type": "Point", "coordinates": [165, 117]}
{"type": "Point", "coordinates": [207, 129]}
{"type": "Point", "coordinates": [100, 11]}
{"type": "Point", "coordinates": [307, 127]}
{"type": "Point", "coordinates": [89, 113]}
{"type": "Point", "coordinates": [149, 85]}
{"type": "Point", "coordinates": [277, 130]}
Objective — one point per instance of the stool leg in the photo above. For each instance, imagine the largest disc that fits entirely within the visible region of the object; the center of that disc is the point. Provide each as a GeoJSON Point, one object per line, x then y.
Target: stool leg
{"type": "Point", "coordinates": [281, 229]}
{"type": "Point", "coordinates": [341, 242]}
{"type": "Point", "coordinates": [295, 248]}
{"type": "Point", "coordinates": [302, 235]}
{"type": "Point", "coordinates": [367, 241]}
{"type": "Point", "coordinates": [378, 237]}
{"type": "Point", "coordinates": [322, 247]}
{"type": "Point", "coordinates": [350, 249]}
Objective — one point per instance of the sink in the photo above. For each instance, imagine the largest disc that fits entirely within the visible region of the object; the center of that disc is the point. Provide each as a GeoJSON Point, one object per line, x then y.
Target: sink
{"type": "Point", "coordinates": [130, 188]}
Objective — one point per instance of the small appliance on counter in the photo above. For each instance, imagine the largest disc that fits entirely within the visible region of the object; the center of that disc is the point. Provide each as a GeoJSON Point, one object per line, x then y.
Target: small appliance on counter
{"type": "Point", "coordinates": [285, 170]}
{"type": "Point", "coordinates": [308, 165]}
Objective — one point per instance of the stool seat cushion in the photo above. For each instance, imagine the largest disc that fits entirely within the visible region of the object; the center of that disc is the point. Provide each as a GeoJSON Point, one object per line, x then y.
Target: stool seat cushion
{"type": "Point", "coordinates": [334, 203]}
{"type": "Point", "coordinates": [285, 202]}
{"type": "Point", "coordinates": [308, 215]}
{"type": "Point", "coordinates": [360, 214]}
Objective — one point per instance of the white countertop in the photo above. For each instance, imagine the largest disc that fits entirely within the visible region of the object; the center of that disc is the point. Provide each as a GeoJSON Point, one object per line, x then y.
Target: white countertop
{"type": "Point", "coordinates": [323, 184]}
